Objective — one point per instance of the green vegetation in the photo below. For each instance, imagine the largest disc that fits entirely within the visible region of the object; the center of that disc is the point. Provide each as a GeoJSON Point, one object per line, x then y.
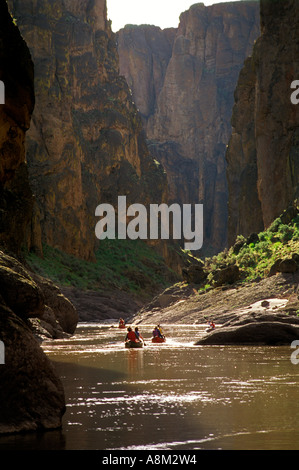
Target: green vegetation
{"type": "Point", "coordinates": [136, 268]}
{"type": "Point", "coordinates": [128, 265]}
{"type": "Point", "coordinates": [256, 255]}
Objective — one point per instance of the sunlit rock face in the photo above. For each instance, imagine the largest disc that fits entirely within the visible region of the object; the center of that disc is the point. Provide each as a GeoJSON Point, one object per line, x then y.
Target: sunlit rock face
{"type": "Point", "coordinates": [183, 82]}
{"type": "Point", "coordinates": [263, 164]}
{"type": "Point", "coordinates": [86, 144]}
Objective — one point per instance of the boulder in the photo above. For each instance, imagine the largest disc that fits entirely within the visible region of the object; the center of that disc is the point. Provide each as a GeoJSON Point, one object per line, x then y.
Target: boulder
{"type": "Point", "coordinates": [238, 246]}
{"type": "Point", "coordinates": [47, 327]}
{"type": "Point", "coordinates": [289, 214]}
{"type": "Point", "coordinates": [253, 238]}
{"type": "Point", "coordinates": [31, 393]}
{"type": "Point", "coordinates": [64, 311]}
{"type": "Point", "coordinates": [288, 265]}
{"type": "Point", "coordinates": [31, 296]}
{"type": "Point", "coordinates": [194, 274]}
{"type": "Point", "coordinates": [19, 291]}
{"type": "Point", "coordinates": [254, 333]}
{"type": "Point", "coordinates": [227, 275]}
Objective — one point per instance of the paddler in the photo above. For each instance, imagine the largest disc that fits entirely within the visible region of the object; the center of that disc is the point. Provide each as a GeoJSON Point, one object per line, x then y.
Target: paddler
{"type": "Point", "coordinates": [131, 336]}
{"type": "Point", "coordinates": [160, 331]}
{"type": "Point", "coordinates": [138, 334]}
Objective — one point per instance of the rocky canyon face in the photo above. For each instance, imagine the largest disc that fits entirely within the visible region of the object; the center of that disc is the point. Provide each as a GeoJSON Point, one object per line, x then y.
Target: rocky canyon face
{"type": "Point", "coordinates": [263, 171]}
{"type": "Point", "coordinates": [183, 83]}
{"type": "Point", "coordinates": [86, 144]}
{"type": "Point", "coordinates": [16, 72]}
{"type": "Point", "coordinates": [31, 394]}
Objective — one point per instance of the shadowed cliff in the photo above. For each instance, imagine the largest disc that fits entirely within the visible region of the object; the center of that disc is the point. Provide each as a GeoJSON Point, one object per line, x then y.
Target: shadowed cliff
{"type": "Point", "coordinates": [263, 168]}
{"type": "Point", "coordinates": [31, 394]}
{"type": "Point", "coordinates": [16, 72]}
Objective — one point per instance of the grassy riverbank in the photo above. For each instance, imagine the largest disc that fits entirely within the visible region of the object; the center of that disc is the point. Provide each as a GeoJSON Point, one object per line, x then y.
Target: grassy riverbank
{"type": "Point", "coordinates": [127, 265]}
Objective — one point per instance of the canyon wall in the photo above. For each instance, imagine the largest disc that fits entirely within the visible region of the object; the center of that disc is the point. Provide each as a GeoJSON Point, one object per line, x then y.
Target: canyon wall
{"type": "Point", "coordinates": [263, 163]}
{"type": "Point", "coordinates": [16, 72]}
{"type": "Point", "coordinates": [183, 83]}
{"type": "Point", "coordinates": [86, 143]}
{"type": "Point", "coordinates": [31, 395]}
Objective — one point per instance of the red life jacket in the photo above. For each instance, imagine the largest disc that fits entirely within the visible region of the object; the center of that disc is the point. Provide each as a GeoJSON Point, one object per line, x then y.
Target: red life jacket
{"type": "Point", "coordinates": [131, 336]}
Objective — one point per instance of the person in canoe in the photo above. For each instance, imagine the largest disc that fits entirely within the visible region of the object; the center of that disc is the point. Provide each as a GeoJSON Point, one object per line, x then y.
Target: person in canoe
{"type": "Point", "coordinates": [158, 336]}
{"type": "Point", "coordinates": [212, 326]}
{"type": "Point", "coordinates": [131, 339]}
{"type": "Point", "coordinates": [161, 334]}
{"type": "Point", "coordinates": [130, 336]}
{"type": "Point", "coordinates": [138, 335]}
{"type": "Point", "coordinates": [157, 333]}
{"type": "Point", "coordinates": [121, 323]}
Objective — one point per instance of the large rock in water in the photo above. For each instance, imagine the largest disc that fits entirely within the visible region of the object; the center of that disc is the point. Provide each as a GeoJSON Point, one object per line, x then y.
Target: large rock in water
{"type": "Point", "coordinates": [62, 308]}
{"type": "Point", "coordinates": [32, 392]}
{"type": "Point", "coordinates": [18, 289]}
{"type": "Point", "coordinates": [31, 395]}
{"type": "Point", "coordinates": [255, 329]}
{"type": "Point", "coordinates": [31, 296]}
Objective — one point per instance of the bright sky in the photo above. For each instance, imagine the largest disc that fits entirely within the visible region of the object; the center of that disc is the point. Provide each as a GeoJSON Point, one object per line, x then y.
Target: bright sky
{"type": "Point", "coordinates": [163, 13]}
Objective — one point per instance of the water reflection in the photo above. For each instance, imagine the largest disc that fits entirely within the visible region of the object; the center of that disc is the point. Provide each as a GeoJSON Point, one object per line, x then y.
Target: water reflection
{"type": "Point", "coordinates": [135, 362]}
{"type": "Point", "coordinates": [170, 396]}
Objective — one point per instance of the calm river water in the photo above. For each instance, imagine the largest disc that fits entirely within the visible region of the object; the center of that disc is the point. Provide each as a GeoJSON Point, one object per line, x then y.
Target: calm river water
{"type": "Point", "coordinates": [172, 396]}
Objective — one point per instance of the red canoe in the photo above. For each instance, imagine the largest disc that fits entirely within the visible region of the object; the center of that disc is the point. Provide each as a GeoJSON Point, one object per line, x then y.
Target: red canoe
{"type": "Point", "coordinates": [157, 339]}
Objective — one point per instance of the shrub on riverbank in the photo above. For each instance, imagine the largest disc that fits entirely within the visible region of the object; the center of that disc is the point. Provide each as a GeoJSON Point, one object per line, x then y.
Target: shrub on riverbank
{"type": "Point", "coordinates": [257, 255]}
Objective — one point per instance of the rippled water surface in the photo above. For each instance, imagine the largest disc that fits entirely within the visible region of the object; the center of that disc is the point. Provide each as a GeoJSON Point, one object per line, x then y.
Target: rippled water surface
{"type": "Point", "coordinates": [170, 396]}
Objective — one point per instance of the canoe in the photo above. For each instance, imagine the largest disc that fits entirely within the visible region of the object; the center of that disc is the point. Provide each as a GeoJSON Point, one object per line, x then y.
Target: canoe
{"type": "Point", "coordinates": [121, 326]}
{"type": "Point", "coordinates": [157, 339]}
{"type": "Point", "coordinates": [134, 344]}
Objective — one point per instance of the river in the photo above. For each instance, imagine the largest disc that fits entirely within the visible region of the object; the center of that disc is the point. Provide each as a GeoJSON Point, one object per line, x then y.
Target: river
{"type": "Point", "coordinates": [171, 396]}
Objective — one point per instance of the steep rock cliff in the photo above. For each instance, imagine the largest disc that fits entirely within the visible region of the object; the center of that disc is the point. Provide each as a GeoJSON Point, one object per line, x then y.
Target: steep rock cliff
{"type": "Point", "coordinates": [86, 144]}
{"type": "Point", "coordinates": [263, 168]}
{"type": "Point", "coordinates": [186, 97]}
{"type": "Point", "coordinates": [16, 72]}
{"type": "Point", "coordinates": [31, 395]}
{"type": "Point", "coordinates": [144, 54]}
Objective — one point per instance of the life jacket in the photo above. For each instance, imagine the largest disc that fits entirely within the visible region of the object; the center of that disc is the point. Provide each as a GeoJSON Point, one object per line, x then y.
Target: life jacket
{"type": "Point", "coordinates": [131, 336]}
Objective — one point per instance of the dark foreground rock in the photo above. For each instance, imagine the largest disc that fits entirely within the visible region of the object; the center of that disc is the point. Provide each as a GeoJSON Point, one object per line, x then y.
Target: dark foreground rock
{"type": "Point", "coordinates": [59, 310]}
{"type": "Point", "coordinates": [31, 394]}
{"type": "Point", "coordinates": [31, 309]}
{"type": "Point", "coordinates": [270, 333]}
{"type": "Point", "coordinates": [36, 299]}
